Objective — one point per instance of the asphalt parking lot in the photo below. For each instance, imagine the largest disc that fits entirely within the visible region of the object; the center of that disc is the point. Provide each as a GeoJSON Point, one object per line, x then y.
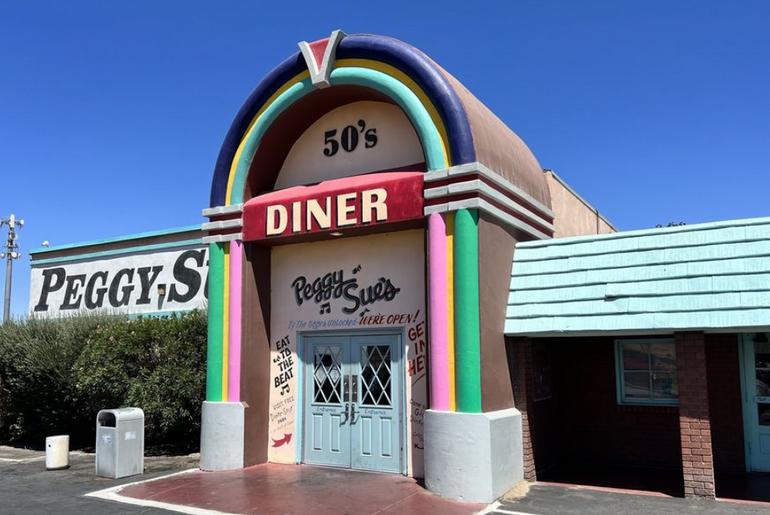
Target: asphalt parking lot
{"type": "Point", "coordinates": [26, 487]}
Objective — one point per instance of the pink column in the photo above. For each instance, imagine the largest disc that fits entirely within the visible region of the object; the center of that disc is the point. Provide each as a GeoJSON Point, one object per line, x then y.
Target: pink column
{"type": "Point", "coordinates": [437, 299]}
{"type": "Point", "coordinates": [234, 348]}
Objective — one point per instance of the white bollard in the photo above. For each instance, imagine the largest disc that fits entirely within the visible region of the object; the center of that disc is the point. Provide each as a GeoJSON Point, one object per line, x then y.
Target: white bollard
{"type": "Point", "coordinates": [57, 452]}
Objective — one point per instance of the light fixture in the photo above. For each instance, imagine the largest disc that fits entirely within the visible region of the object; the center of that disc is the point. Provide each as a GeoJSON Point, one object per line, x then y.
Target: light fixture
{"type": "Point", "coordinates": [335, 234]}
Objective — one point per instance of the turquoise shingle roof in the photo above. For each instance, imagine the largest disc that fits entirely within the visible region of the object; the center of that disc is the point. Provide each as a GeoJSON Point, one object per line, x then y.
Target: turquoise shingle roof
{"type": "Point", "coordinates": [710, 277]}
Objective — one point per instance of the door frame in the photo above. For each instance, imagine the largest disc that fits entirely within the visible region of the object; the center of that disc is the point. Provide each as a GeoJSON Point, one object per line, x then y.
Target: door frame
{"type": "Point", "coordinates": [299, 422]}
{"type": "Point", "coordinates": [747, 435]}
{"type": "Point", "coordinates": [744, 341]}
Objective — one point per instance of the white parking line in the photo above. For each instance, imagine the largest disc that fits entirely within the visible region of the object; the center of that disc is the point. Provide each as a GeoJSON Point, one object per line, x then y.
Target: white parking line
{"type": "Point", "coordinates": [495, 508]}
{"type": "Point", "coordinates": [113, 494]}
{"type": "Point", "coordinates": [22, 460]}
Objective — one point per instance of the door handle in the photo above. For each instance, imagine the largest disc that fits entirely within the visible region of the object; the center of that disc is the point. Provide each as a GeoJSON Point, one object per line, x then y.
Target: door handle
{"type": "Point", "coordinates": [347, 413]}
{"type": "Point", "coordinates": [354, 388]}
{"type": "Point", "coordinates": [353, 397]}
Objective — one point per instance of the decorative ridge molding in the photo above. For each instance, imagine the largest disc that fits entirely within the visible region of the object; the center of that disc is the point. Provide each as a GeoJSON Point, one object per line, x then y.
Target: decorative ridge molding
{"type": "Point", "coordinates": [218, 238]}
{"type": "Point", "coordinates": [211, 212]}
{"type": "Point", "coordinates": [491, 175]}
{"type": "Point", "coordinates": [482, 188]}
{"type": "Point", "coordinates": [235, 223]}
{"type": "Point", "coordinates": [483, 205]}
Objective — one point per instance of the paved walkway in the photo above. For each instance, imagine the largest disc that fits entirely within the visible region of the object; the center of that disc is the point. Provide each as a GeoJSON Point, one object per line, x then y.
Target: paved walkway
{"type": "Point", "coordinates": [544, 499]}
{"type": "Point", "coordinates": [289, 489]}
{"type": "Point", "coordinates": [26, 487]}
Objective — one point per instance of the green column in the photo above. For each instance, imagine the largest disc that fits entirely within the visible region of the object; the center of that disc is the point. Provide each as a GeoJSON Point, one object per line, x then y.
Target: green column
{"type": "Point", "coordinates": [466, 301]}
{"type": "Point", "coordinates": [216, 321]}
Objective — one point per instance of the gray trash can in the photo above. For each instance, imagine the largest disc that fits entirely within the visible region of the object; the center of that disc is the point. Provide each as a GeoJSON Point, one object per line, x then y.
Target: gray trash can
{"type": "Point", "coordinates": [119, 442]}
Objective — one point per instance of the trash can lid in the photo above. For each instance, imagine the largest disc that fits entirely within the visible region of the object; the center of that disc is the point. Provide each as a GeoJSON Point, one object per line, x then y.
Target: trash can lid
{"type": "Point", "coordinates": [124, 414]}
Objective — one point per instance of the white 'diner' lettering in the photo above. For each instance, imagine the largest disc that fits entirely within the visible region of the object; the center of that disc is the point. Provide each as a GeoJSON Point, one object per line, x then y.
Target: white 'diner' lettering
{"type": "Point", "coordinates": [305, 212]}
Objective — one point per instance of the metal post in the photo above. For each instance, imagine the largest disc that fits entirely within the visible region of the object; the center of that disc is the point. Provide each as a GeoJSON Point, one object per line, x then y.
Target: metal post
{"type": "Point", "coordinates": [11, 253]}
{"type": "Point", "coordinates": [7, 298]}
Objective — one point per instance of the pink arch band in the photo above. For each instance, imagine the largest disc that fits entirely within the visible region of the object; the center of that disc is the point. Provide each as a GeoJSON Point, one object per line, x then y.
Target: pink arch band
{"type": "Point", "coordinates": [234, 347]}
{"type": "Point", "coordinates": [437, 295]}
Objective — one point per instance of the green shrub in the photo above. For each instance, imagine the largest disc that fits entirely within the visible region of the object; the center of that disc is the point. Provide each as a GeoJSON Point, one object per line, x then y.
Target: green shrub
{"type": "Point", "coordinates": [55, 375]}
{"type": "Point", "coordinates": [36, 377]}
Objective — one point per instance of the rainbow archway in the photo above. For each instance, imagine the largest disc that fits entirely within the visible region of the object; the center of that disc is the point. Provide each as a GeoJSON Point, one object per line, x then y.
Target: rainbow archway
{"type": "Point", "coordinates": [473, 164]}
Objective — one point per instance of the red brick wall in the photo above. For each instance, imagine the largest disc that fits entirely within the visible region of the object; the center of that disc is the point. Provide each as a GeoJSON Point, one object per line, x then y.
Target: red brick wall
{"type": "Point", "coordinates": [594, 429]}
{"type": "Point", "coordinates": [694, 424]}
{"type": "Point", "coordinates": [583, 424]}
{"type": "Point", "coordinates": [545, 438]}
{"type": "Point", "coordinates": [520, 365]}
{"type": "Point", "coordinates": [725, 405]}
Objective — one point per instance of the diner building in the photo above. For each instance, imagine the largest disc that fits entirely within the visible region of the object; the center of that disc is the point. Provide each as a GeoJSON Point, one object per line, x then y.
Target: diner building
{"type": "Point", "coordinates": [395, 284]}
{"type": "Point", "coordinates": [363, 216]}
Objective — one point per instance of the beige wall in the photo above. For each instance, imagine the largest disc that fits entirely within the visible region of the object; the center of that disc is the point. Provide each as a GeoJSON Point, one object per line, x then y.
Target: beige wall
{"type": "Point", "coordinates": [397, 256]}
{"type": "Point", "coordinates": [397, 145]}
{"type": "Point", "coordinates": [572, 215]}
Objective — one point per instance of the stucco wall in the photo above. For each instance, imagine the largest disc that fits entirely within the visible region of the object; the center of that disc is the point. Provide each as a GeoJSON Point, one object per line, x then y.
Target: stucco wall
{"type": "Point", "coordinates": [573, 216]}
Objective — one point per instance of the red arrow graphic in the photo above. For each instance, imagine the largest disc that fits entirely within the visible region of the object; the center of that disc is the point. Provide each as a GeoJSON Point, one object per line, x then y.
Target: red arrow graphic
{"type": "Point", "coordinates": [282, 441]}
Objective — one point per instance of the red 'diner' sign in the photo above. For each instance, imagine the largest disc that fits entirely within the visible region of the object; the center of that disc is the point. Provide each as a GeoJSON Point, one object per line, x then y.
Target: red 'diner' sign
{"type": "Point", "coordinates": [334, 205]}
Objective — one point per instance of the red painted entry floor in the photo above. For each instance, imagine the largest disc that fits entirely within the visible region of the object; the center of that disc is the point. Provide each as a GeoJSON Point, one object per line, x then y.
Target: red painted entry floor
{"type": "Point", "coordinates": [286, 489]}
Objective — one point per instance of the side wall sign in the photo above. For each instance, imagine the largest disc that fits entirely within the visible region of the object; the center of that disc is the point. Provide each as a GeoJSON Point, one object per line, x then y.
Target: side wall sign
{"type": "Point", "coordinates": [140, 283]}
{"type": "Point", "coordinates": [333, 205]}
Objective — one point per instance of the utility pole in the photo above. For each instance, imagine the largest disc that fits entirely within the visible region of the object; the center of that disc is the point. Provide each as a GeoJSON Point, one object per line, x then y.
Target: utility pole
{"type": "Point", "coordinates": [11, 253]}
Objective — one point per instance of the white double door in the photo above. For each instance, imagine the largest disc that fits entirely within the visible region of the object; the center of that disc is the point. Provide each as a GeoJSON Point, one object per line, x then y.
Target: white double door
{"type": "Point", "coordinates": [353, 397]}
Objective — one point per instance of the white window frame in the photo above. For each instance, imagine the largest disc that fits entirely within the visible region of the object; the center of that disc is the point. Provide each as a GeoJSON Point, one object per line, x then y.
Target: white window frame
{"type": "Point", "coordinates": [619, 374]}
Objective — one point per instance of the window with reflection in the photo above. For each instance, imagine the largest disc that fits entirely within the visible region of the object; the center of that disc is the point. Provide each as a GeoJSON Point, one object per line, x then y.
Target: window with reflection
{"type": "Point", "coordinates": [646, 372]}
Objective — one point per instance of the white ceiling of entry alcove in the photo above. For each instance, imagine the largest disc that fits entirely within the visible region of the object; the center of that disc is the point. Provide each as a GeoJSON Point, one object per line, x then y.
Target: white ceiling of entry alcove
{"type": "Point", "coordinates": [397, 145]}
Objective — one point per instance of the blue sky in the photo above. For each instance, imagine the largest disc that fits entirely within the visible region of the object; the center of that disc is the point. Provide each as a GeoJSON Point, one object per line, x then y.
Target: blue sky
{"type": "Point", "coordinates": [112, 113]}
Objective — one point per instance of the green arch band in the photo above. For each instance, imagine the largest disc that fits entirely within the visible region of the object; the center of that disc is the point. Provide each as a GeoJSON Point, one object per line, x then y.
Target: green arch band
{"type": "Point", "coordinates": [430, 138]}
{"type": "Point", "coordinates": [467, 339]}
{"type": "Point", "coordinates": [216, 322]}
{"type": "Point", "coordinates": [250, 146]}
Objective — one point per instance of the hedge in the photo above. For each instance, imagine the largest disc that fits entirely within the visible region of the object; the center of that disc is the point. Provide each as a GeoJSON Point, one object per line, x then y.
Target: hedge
{"type": "Point", "coordinates": [56, 374]}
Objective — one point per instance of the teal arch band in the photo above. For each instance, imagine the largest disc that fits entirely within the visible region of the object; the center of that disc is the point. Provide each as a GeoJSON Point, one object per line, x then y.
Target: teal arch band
{"type": "Point", "coordinates": [216, 322]}
{"type": "Point", "coordinates": [429, 135]}
{"type": "Point", "coordinates": [467, 330]}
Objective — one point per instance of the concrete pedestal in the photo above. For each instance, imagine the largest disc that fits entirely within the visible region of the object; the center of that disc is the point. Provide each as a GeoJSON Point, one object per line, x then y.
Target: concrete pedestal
{"type": "Point", "coordinates": [222, 435]}
{"type": "Point", "coordinates": [474, 457]}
